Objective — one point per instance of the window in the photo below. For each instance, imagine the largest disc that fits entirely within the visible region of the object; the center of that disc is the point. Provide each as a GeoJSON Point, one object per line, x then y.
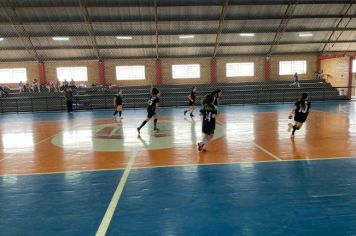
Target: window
{"type": "Point", "coordinates": [354, 66]}
{"type": "Point", "coordinates": [190, 71]}
{"type": "Point", "coordinates": [75, 73]}
{"type": "Point", "coordinates": [240, 69]}
{"type": "Point", "coordinates": [130, 72]}
{"type": "Point", "coordinates": [15, 75]}
{"type": "Point", "coordinates": [290, 67]}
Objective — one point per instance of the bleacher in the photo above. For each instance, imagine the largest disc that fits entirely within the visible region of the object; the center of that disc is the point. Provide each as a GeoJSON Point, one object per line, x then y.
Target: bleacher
{"type": "Point", "coordinates": [171, 95]}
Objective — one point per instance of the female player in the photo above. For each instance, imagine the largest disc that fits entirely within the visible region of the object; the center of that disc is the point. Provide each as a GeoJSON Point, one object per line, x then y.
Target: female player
{"type": "Point", "coordinates": [118, 104]}
{"type": "Point", "coordinates": [217, 94]}
{"type": "Point", "coordinates": [153, 104]}
{"type": "Point", "coordinates": [191, 97]}
{"type": "Point", "coordinates": [301, 112]}
{"type": "Point", "coordinates": [209, 113]}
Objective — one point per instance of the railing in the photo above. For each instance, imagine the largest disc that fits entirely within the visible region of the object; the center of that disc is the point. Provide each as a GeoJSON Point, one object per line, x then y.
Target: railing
{"type": "Point", "coordinates": [57, 102]}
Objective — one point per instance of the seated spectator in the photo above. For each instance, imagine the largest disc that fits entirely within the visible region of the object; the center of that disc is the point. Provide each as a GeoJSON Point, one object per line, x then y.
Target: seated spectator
{"type": "Point", "coordinates": [35, 86]}
{"type": "Point", "coordinates": [27, 87]}
{"type": "Point", "coordinates": [4, 91]}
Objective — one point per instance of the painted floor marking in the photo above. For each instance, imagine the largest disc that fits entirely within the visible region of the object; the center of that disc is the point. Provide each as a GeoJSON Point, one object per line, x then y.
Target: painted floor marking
{"type": "Point", "coordinates": [267, 152]}
{"type": "Point", "coordinates": [116, 197]}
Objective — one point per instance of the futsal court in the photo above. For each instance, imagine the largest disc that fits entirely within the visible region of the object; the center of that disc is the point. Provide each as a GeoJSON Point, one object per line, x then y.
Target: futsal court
{"type": "Point", "coordinates": [86, 174]}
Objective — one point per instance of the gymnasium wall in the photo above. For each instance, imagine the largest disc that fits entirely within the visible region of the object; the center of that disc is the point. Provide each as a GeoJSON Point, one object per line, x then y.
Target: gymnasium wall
{"type": "Point", "coordinates": [166, 65]}
{"type": "Point", "coordinates": [336, 70]}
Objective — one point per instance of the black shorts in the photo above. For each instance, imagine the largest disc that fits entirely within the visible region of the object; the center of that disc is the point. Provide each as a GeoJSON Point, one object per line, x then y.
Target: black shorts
{"type": "Point", "coordinates": [191, 103]}
{"type": "Point", "coordinates": [300, 119]}
{"type": "Point", "coordinates": [150, 113]}
{"type": "Point", "coordinates": [208, 129]}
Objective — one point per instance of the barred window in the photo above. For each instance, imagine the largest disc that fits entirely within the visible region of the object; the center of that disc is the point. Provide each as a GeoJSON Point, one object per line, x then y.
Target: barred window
{"type": "Point", "coordinates": [290, 67]}
{"type": "Point", "coordinates": [130, 72]}
{"type": "Point", "coordinates": [188, 71]}
{"type": "Point", "coordinates": [13, 75]}
{"type": "Point", "coordinates": [75, 73]}
{"type": "Point", "coordinates": [240, 69]}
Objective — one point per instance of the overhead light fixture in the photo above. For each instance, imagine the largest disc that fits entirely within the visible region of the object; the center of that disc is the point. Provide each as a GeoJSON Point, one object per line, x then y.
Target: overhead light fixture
{"type": "Point", "coordinates": [247, 34]}
{"type": "Point", "coordinates": [60, 38]}
{"type": "Point", "coordinates": [186, 36]}
{"type": "Point", "coordinates": [1, 39]}
{"type": "Point", "coordinates": [305, 34]}
{"type": "Point", "coordinates": [124, 37]}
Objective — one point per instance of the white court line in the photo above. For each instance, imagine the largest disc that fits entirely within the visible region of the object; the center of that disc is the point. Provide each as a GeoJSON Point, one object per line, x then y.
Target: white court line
{"type": "Point", "coordinates": [103, 228]}
{"type": "Point", "coordinates": [267, 152]}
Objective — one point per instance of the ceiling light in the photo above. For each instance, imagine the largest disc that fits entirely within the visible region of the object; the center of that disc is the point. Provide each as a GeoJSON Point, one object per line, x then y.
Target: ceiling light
{"type": "Point", "coordinates": [60, 38]}
{"type": "Point", "coordinates": [1, 39]}
{"type": "Point", "coordinates": [305, 34]}
{"type": "Point", "coordinates": [247, 34]}
{"type": "Point", "coordinates": [124, 37]}
{"type": "Point", "coordinates": [186, 36]}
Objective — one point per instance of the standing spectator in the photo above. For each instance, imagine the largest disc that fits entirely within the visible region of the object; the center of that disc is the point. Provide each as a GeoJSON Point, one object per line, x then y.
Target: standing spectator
{"type": "Point", "coordinates": [295, 80]}
{"type": "Point", "coordinates": [48, 86]}
{"type": "Point", "coordinates": [21, 87]}
{"type": "Point", "coordinates": [68, 93]}
{"type": "Point", "coordinates": [57, 86]}
{"type": "Point", "coordinates": [65, 83]}
{"type": "Point", "coordinates": [72, 84]}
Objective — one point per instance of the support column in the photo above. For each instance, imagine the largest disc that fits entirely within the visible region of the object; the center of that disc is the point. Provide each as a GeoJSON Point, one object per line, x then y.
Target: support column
{"type": "Point", "coordinates": [158, 72]}
{"type": "Point", "coordinates": [42, 73]}
{"type": "Point", "coordinates": [101, 69]}
{"type": "Point", "coordinates": [267, 69]}
{"type": "Point", "coordinates": [318, 63]}
{"type": "Point", "coordinates": [213, 71]}
{"type": "Point", "coordinates": [349, 92]}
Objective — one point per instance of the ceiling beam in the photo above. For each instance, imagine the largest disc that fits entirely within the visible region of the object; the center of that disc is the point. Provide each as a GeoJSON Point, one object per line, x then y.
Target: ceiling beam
{"type": "Point", "coordinates": [191, 45]}
{"type": "Point", "coordinates": [187, 3]}
{"type": "Point", "coordinates": [342, 23]}
{"type": "Point", "coordinates": [174, 57]}
{"type": "Point", "coordinates": [221, 25]}
{"type": "Point", "coordinates": [283, 25]}
{"type": "Point", "coordinates": [174, 33]}
{"type": "Point", "coordinates": [21, 32]}
{"type": "Point", "coordinates": [89, 28]}
{"type": "Point", "coordinates": [150, 19]}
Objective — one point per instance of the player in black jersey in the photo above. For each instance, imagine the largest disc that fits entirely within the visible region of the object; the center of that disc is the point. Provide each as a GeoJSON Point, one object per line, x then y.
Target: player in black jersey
{"type": "Point", "coordinates": [216, 94]}
{"type": "Point", "coordinates": [301, 112]}
{"type": "Point", "coordinates": [192, 97]}
{"type": "Point", "coordinates": [118, 104]}
{"type": "Point", "coordinates": [209, 113]}
{"type": "Point", "coordinates": [153, 104]}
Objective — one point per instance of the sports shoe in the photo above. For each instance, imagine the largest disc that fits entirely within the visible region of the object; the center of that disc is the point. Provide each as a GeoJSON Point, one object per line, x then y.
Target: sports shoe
{"type": "Point", "coordinates": [185, 112]}
{"type": "Point", "coordinates": [156, 129]}
{"type": "Point", "coordinates": [200, 146]}
{"type": "Point", "coordinates": [290, 126]}
{"type": "Point", "coordinates": [191, 115]}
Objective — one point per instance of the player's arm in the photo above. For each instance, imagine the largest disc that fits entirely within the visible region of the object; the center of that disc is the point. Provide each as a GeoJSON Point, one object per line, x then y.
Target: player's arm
{"type": "Point", "coordinates": [190, 98]}
{"type": "Point", "coordinates": [292, 112]}
{"type": "Point", "coordinates": [115, 101]}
